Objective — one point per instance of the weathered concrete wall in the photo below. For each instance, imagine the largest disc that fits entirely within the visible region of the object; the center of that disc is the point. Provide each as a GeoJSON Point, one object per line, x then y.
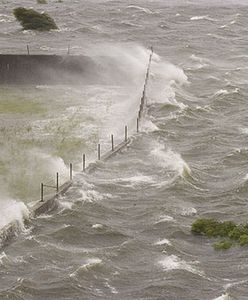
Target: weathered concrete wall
{"type": "Point", "coordinates": [43, 69]}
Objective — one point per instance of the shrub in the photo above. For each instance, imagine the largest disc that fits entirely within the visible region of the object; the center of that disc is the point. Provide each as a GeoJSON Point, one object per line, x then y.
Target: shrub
{"type": "Point", "coordinates": [228, 229]}
{"type": "Point", "coordinates": [32, 20]}
{"type": "Point", "coordinates": [223, 245]}
{"type": "Point", "coordinates": [243, 240]}
{"type": "Point", "coordinates": [204, 227]}
{"type": "Point", "coordinates": [237, 232]}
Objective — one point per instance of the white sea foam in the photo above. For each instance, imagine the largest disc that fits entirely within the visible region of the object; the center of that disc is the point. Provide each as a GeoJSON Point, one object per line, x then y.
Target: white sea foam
{"type": "Point", "coordinates": [6, 18]}
{"type": "Point", "coordinates": [3, 258]}
{"type": "Point", "coordinates": [196, 18]}
{"type": "Point", "coordinates": [93, 196]}
{"type": "Point", "coordinates": [224, 297]}
{"type": "Point", "coordinates": [170, 159]}
{"type": "Point", "coordinates": [244, 130]}
{"type": "Point", "coordinates": [188, 211]}
{"type": "Point", "coordinates": [97, 226]}
{"type": "Point", "coordinates": [90, 264]}
{"type": "Point", "coordinates": [165, 218]}
{"type": "Point", "coordinates": [164, 80]}
{"type": "Point", "coordinates": [221, 92]}
{"type": "Point", "coordinates": [173, 262]}
{"type": "Point", "coordinates": [148, 126]}
{"type": "Point", "coordinates": [200, 62]}
{"type": "Point", "coordinates": [134, 180]}
{"type": "Point", "coordinates": [163, 242]}
{"type": "Point", "coordinates": [13, 211]}
{"type": "Point", "coordinates": [139, 8]}
{"type": "Point", "coordinates": [65, 204]}
{"type": "Point", "coordinates": [112, 288]}
{"type": "Point", "coordinates": [226, 92]}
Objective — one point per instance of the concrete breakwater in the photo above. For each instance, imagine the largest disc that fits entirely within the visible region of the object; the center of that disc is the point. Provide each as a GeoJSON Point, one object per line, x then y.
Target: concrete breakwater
{"type": "Point", "coordinates": [50, 203]}
{"type": "Point", "coordinates": [44, 69]}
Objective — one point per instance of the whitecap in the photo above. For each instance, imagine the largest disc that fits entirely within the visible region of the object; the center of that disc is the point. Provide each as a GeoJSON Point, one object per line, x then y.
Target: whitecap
{"type": "Point", "coordinates": [165, 218]}
{"type": "Point", "coordinates": [3, 258]}
{"type": "Point", "coordinates": [90, 264]}
{"type": "Point", "coordinates": [65, 204]}
{"type": "Point", "coordinates": [91, 196]}
{"type": "Point", "coordinates": [244, 130]}
{"type": "Point", "coordinates": [170, 159]}
{"type": "Point", "coordinates": [13, 211]}
{"type": "Point", "coordinates": [97, 226]}
{"type": "Point", "coordinates": [134, 180]}
{"type": "Point", "coordinates": [221, 92]}
{"type": "Point", "coordinates": [188, 211]}
{"type": "Point", "coordinates": [148, 126]}
{"type": "Point", "coordinates": [196, 18]}
{"type": "Point", "coordinates": [163, 242]}
{"type": "Point", "coordinates": [142, 9]}
{"type": "Point", "coordinates": [223, 297]}
{"type": "Point", "coordinates": [173, 262]}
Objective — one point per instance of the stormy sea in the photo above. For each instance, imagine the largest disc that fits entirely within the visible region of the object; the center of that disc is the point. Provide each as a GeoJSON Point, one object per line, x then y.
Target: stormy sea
{"type": "Point", "coordinates": [123, 231]}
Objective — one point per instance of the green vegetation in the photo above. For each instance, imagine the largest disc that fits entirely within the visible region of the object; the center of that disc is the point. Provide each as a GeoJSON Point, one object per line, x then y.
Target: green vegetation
{"type": "Point", "coordinates": [223, 245]}
{"type": "Point", "coordinates": [212, 228]}
{"type": "Point", "coordinates": [41, 1]}
{"type": "Point", "coordinates": [20, 106]}
{"type": "Point", "coordinates": [32, 20]}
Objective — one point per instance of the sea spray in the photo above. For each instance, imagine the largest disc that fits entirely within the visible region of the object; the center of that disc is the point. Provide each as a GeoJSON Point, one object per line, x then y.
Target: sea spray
{"type": "Point", "coordinates": [13, 211]}
{"type": "Point", "coordinates": [170, 160]}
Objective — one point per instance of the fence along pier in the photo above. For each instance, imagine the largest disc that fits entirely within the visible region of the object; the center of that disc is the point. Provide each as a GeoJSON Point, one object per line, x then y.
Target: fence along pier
{"type": "Point", "coordinates": [48, 203]}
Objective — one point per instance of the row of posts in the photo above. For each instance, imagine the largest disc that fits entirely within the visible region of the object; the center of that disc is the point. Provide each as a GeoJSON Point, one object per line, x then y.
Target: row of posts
{"type": "Point", "coordinates": [56, 186]}
{"type": "Point", "coordinates": [142, 103]}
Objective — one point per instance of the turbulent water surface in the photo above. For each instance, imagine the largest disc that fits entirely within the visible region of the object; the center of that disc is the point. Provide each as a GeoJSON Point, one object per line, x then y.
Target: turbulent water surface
{"type": "Point", "coordinates": [123, 231]}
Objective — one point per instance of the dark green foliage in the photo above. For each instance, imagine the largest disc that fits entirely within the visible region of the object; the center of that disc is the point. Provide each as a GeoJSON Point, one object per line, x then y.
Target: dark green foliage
{"type": "Point", "coordinates": [237, 232]}
{"type": "Point", "coordinates": [228, 229]}
{"type": "Point", "coordinates": [32, 20]}
{"type": "Point", "coordinates": [41, 1]}
{"type": "Point", "coordinates": [222, 245]}
{"type": "Point", "coordinates": [212, 228]}
{"type": "Point", "coordinates": [243, 240]}
{"type": "Point", "coordinates": [204, 226]}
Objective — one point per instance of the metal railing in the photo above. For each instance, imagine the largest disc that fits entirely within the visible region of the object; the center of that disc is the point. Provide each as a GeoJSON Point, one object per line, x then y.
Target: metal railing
{"type": "Point", "coordinates": [114, 148]}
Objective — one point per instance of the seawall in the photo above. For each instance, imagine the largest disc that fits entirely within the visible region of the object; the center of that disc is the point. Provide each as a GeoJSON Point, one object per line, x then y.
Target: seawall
{"type": "Point", "coordinates": [44, 69]}
{"type": "Point", "coordinates": [51, 202]}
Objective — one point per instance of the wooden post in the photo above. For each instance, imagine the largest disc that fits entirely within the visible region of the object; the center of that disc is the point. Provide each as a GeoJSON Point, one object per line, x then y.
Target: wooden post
{"type": "Point", "coordinates": [70, 171]}
{"type": "Point", "coordinates": [41, 192]}
{"type": "Point", "coordinates": [126, 133]}
{"type": "Point", "coordinates": [57, 182]}
{"type": "Point", "coordinates": [83, 162]}
{"type": "Point", "coordinates": [99, 151]}
{"type": "Point", "coordinates": [28, 49]}
{"type": "Point", "coordinates": [112, 142]}
{"type": "Point", "coordinates": [137, 124]}
{"type": "Point", "coordinates": [68, 50]}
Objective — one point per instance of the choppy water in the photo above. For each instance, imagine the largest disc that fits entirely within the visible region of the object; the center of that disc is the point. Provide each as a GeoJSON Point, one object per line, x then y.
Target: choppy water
{"type": "Point", "coordinates": [123, 232]}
